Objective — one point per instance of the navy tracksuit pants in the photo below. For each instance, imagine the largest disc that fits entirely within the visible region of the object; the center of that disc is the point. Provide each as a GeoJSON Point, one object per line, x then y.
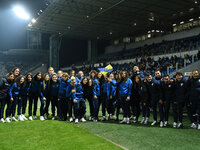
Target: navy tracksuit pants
{"type": "Point", "coordinates": [79, 108]}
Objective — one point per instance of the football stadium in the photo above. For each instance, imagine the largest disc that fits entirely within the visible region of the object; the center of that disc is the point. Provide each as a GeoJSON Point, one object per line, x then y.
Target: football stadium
{"type": "Point", "coordinates": [99, 74]}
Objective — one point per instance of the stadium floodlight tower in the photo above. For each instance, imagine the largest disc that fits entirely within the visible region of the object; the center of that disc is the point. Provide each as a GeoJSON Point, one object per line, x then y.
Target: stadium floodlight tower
{"type": "Point", "coordinates": [21, 12]}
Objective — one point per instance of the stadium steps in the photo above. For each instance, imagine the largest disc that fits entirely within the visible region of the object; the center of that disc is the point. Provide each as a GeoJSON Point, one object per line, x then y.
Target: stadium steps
{"type": "Point", "coordinates": [188, 69]}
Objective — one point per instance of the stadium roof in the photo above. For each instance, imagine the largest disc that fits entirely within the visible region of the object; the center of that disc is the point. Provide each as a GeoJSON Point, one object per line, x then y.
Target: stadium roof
{"type": "Point", "coordinates": [113, 18]}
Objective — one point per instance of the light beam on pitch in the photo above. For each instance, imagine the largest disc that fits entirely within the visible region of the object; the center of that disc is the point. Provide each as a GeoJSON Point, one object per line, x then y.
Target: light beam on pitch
{"type": "Point", "coordinates": [21, 13]}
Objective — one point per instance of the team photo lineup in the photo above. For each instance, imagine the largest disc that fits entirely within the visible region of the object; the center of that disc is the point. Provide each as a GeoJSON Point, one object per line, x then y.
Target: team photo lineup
{"type": "Point", "coordinates": [99, 74]}
{"type": "Point", "coordinates": [136, 93]}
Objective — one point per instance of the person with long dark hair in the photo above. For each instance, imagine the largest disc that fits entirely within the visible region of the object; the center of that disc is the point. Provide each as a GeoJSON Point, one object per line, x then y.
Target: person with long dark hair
{"type": "Point", "coordinates": [88, 94]}
{"type": "Point", "coordinates": [96, 95]}
{"type": "Point", "coordinates": [118, 102]}
{"type": "Point", "coordinates": [103, 94]}
{"type": "Point", "coordinates": [125, 87]}
{"type": "Point", "coordinates": [45, 97]}
{"type": "Point", "coordinates": [15, 97]}
{"type": "Point", "coordinates": [25, 94]}
{"type": "Point", "coordinates": [35, 91]}
{"type": "Point", "coordinates": [16, 72]}
{"type": "Point", "coordinates": [136, 98]}
{"type": "Point", "coordinates": [5, 85]}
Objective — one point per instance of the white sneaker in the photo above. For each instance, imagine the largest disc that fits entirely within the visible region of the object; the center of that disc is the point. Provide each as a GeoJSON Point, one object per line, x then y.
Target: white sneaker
{"type": "Point", "coordinates": [70, 119]}
{"type": "Point", "coordinates": [24, 117]}
{"type": "Point", "coordinates": [112, 117]}
{"type": "Point", "coordinates": [143, 119]}
{"type": "Point", "coordinates": [198, 127]}
{"type": "Point", "coordinates": [153, 123]}
{"type": "Point", "coordinates": [161, 124]}
{"type": "Point", "coordinates": [166, 123]}
{"type": "Point", "coordinates": [193, 125]}
{"type": "Point", "coordinates": [83, 120]}
{"type": "Point", "coordinates": [45, 117]}
{"type": "Point", "coordinates": [95, 120]}
{"type": "Point", "coordinates": [128, 120]}
{"type": "Point", "coordinates": [134, 119]}
{"type": "Point", "coordinates": [104, 118]}
{"type": "Point", "coordinates": [20, 118]}
{"type": "Point", "coordinates": [2, 120]}
{"type": "Point", "coordinates": [180, 125]}
{"type": "Point", "coordinates": [34, 117]}
{"type": "Point", "coordinates": [123, 120]}
{"type": "Point", "coordinates": [146, 121]}
{"type": "Point", "coordinates": [42, 118]}
{"type": "Point", "coordinates": [53, 118]}
{"type": "Point", "coordinates": [90, 118]}
{"type": "Point", "coordinates": [30, 118]}
{"type": "Point", "coordinates": [76, 120]}
{"type": "Point", "coordinates": [7, 120]}
{"type": "Point", "coordinates": [14, 119]}
{"type": "Point", "coordinates": [174, 124]}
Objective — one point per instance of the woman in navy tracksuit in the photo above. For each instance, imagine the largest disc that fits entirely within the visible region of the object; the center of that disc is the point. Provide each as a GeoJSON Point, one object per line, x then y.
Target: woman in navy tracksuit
{"type": "Point", "coordinates": [103, 94]}
{"type": "Point", "coordinates": [125, 87]}
{"type": "Point", "coordinates": [96, 95]}
{"type": "Point", "coordinates": [88, 94]}
{"type": "Point", "coordinates": [118, 103]}
{"type": "Point", "coordinates": [45, 96]}
{"type": "Point", "coordinates": [136, 98]}
{"type": "Point", "coordinates": [78, 100]}
{"type": "Point", "coordinates": [35, 91]}
{"type": "Point", "coordinates": [5, 85]}
{"type": "Point", "coordinates": [111, 95]}
{"type": "Point", "coordinates": [54, 87]}
{"type": "Point", "coordinates": [15, 97]}
{"type": "Point", "coordinates": [69, 90]}
{"type": "Point", "coordinates": [62, 99]}
{"type": "Point", "coordinates": [26, 95]}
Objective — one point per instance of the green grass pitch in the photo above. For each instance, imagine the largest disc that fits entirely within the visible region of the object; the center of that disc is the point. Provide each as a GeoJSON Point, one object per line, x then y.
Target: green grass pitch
{"type": "Point", "coordinates": [56, 135]}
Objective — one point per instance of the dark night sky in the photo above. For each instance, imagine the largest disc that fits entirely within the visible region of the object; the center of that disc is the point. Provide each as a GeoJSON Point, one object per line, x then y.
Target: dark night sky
{"type": "Point", "coordinates": [12, 28]}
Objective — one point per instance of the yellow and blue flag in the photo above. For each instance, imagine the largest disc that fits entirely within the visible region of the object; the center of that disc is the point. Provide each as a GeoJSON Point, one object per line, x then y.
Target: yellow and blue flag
{"type": "Point", "coordinates": [106, 70]}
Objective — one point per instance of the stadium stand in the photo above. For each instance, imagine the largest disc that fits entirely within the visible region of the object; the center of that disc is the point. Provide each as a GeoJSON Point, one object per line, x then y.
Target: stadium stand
{"type": "Point", "coordinates": [27, 60]}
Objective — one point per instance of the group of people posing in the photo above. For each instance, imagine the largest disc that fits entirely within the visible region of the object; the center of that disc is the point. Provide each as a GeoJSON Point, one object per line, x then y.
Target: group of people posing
{"type": "Point", "coordinates": [137, 93]}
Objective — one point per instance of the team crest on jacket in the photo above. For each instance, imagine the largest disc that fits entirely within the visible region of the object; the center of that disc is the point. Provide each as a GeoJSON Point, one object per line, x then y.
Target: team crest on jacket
{"type": "Point", "coordinates": [152, 84]}
{"type": "Point", "coordinates": [181, 84]}
{"type": "Point", "coordinates": [199, 80]}
{"type": "Point", "coordinates": [169, 85]}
